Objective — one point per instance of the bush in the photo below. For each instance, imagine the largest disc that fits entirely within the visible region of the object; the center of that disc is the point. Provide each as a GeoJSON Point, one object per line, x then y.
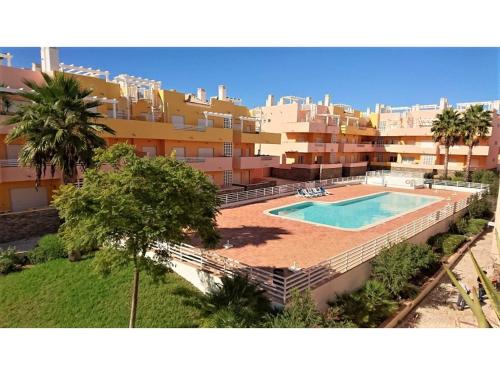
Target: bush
{"type": "Point", "coordinates": [479, 208]}
{"type": "Point", "coordinates": [49, 247]}
{"type": "Point", "coordinates": [366, 307]}
{"type": "Point", "coordinates": [475, 226]}
{"type": "Point", "coordinates": [396, 266]}
{"type": "Point", "coordinates": [446, 243]}
{"type": "Point", "coordinates": [451, 242]}
{"type": "Point", "coordinates": [428, 175]}
{"type": "Point", "coordinates": [487, 177]}
{"type": "Point", "coordinates": [235, 303]}
{"type": "Point", "coordinates": [300, 312]}
{"type": "Point", "coordinates": [9, 262]}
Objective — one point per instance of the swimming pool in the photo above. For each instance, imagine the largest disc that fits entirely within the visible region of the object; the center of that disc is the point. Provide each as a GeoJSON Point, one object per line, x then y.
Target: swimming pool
{"type": "Point", "coordinates": [357, 213]}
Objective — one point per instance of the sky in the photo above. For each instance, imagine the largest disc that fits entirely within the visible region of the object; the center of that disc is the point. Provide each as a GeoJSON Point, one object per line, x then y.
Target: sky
{"type": "Point", "coordinates": [361, 77]}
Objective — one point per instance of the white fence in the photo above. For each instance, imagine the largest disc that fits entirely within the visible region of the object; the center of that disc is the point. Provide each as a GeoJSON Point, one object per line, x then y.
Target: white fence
{"type": "Point", "coordinates": [279, 286]}
{"type": "Point", "coordinates": [281, 190]}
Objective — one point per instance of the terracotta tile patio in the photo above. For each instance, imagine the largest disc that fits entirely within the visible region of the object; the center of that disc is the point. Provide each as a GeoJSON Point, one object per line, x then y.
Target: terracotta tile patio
{"type": "Point", "coordinates": [265, 241]}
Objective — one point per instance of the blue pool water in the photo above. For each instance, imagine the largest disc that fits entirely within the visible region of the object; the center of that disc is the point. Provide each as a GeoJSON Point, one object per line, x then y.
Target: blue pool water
{"type": "Point", "coordinates": [354, 213]}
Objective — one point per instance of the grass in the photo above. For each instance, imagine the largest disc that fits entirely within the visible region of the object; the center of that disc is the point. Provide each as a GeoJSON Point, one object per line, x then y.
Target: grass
{"type": "Point", "coordinates": [64, 294]}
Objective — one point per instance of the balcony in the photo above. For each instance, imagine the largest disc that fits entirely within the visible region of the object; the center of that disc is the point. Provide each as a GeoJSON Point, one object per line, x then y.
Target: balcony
{"type": "Point", "coordinates": [160, 130]}
{"type": "Point", "coordinates": [212, 164]}
{"type": "Point", "coordinates": [11, 171]}
{"type": "Point", "coordinates": [359, 147]}
{"type": "Point", "coordinates": [409, 149]}
{"type": "Point", "coordinates": [311, 166]}
{"type": "Point", "coordinates": [410, 132]}
{"type": "Point", "coordinates": [311, 147]}
{"type": "Point", "coordinates": [311, 127]}
{"type": "Point", "coordinates": [256, 162]}
{"type": "Point", "coordinates": [262, 137]}
{"type": "Point", "coordinates": [463, 150]}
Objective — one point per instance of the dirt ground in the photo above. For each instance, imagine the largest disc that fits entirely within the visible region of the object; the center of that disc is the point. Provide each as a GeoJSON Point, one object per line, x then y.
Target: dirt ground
{"type": "Point", "coordinates": [438, 309]}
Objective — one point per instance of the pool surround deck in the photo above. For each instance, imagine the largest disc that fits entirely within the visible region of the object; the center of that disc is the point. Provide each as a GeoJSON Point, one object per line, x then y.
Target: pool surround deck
{"type": "Point", "coordinates": [268, 241]}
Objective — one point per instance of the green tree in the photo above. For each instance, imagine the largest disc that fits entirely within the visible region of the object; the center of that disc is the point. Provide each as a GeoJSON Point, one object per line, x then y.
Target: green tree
{"type": "Point", "coordinates": [446, 130]}
{"type": "Point", "coordinates": [474, 127]}
{"type": "Point", "coordinates": [5, 102]}
{"type": "Point", "coordinates": [58, 125]}
{"type": "Point", "coordinates": [236, 303]}
{"type": "Point", "coordinates": [131, 205]}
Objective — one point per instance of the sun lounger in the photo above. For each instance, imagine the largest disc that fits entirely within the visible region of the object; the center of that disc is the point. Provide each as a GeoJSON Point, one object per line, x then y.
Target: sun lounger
{"type": "Point", "coordinates": [323, 190]}
{"type": "Point", "coordinates": [312, 193]}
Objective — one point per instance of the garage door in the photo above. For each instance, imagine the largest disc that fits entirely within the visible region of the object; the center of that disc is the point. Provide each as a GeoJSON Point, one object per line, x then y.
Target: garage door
{"type": "Point", "coordinates": [26, 198]}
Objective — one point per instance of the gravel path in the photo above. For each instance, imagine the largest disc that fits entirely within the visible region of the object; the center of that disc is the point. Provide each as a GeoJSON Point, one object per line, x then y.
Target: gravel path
{"type": "Point", "coordinates": [438, 309]}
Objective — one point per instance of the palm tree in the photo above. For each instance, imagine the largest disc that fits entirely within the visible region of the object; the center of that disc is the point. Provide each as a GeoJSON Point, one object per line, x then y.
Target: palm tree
{"type": "Point", "coordinates": [235, 303]}
{"type": "Point", "coordinates": [475, 125]}
{"type": "Point", "coordinates": [59, 127]}
{"type": "Point", "coordinates": [446, 130]}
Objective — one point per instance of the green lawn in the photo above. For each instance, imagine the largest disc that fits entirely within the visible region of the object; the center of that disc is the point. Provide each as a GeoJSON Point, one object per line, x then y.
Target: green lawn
{"type": "Point", "coordinates": [64, 294]}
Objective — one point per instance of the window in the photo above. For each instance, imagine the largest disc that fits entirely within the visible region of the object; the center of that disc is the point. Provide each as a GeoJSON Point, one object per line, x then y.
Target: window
{"type": "Point", "coordinates": [300, 159]}
{"type": "Point", "coordinates": [228, 123]}
{"type": "Point", "coordinates": [380, 157]}
{"type": "Point", "coordinates": [428, 159]}
{"type": "Point", "coordinates": [150, 151]}
{"type": "Point", "coordinates": [393, 158]}
{"type": "Point", "coordinates": [179, 152]}
{"type": "Point", "coordinates": [178, 122]}
{"type": "Point", "coordinates": [381, 126]}
{"type": "Point", "coordinates": [228, 149]}
{"type": "Point", "coordinates": [228, 177]}
{"type": "Point", "coordinates": [205, 152]}
{"type": "Point", "coordinates": [408, 160]}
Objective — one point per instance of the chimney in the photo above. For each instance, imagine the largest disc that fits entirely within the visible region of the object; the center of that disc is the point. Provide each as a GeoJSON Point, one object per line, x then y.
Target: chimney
{"type": "Point", "coordinates": [222, 92]}
{"type": "Point", "coordinates": [368, 111]}
{"type": "Point", "coordinates": [378, 107]}
{"type": "Point", "coordinates": [443, 103]}
{"type": "Point", "coordinates": [49, 59]}
{"type": "Point", "coordinates": [282, 101]}
{"type": "Point", "coordinates": [270, 100]}
{"type": "Point", "coordinates": [308, 100]}
{"type": "Point", "coordinates": [327, 100]}
{"type": "Point", "coordinates": [201, 94]}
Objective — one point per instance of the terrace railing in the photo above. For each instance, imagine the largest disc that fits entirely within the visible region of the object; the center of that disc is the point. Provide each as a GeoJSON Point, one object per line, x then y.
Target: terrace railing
{"type": "Point", "coordinates": [281, 190]}
{"type": "Point", "coordinates": [279, 287]}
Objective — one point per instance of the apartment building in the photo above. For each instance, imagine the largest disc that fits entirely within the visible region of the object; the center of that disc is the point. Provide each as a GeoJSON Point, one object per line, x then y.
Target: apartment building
{"type": "Point", "coordinates": [216, 135]}
{"type": "Point", "coordinates": [404, 139]}
{"type": "Point", "coordinates": [327, 140]}
{"type": "Point", "coordinates": [319, 140]}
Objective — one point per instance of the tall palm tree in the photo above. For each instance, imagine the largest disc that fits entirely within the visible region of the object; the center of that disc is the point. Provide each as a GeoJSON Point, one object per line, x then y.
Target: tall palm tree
{"type": "Point", "coordinates": [59, 127]}
{"type": "Point", "coordinates": [475, 126]}
{"type": "Point", "coordinates": [446, 130]}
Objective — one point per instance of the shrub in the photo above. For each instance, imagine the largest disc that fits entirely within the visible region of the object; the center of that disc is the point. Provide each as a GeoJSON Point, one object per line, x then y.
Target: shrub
{"type": "Point", "coordinates": [300, 312]}
{"type": "Point", "coordinates": [475, 226]}
{"type": "Point", "coordinates": [236, 303]}
{"type": "Point", "coordinates": [462, 224]}
{"type": "Point", "coordinates": [479, 208]}
{"type": "Point", "coordinates": [9, 261]}
{"type": "Point", "coordinates": [367, 307]}
{"type": "Point", "coordinates": [458, 176]}
{"type": "Point", "coordinates": [49, 247]}
{"type": "Point", "coordinates": [428, 175]}
{"type": "Point", "coordinates": [396, 266]}
{"type": "Point", "coordinates": [451, 242]}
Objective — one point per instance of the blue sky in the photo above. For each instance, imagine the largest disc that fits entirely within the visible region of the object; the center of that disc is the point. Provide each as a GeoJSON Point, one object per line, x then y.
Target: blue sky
{"type": "Point", "coordinates": [357, 76]}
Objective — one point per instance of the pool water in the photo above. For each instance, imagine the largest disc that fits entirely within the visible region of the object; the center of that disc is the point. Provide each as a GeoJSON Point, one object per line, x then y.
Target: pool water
{"type": "Point", "coordinates": [354, 213]}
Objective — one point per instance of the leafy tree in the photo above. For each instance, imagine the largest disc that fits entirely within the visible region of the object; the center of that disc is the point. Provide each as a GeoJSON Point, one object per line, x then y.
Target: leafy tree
{"type": "Point", "coordinates": [394, 267]}
{"type": "Point", "coordinates": [367, 307]}
{"type": "Point", "coordinates": [300, 312]}
{"type": "Point", "coordinates": [446, 130]}
{"type": "Point", "coordinates": [474, 127]}
{"type": "Point", "coordinates": [236, 303]}
{"type": "Point", "coordinates": [131, 205]}
{"type": "Point", "coordinates": [5, 102]}
{"type": "Point", "coordinates": [59, 127]}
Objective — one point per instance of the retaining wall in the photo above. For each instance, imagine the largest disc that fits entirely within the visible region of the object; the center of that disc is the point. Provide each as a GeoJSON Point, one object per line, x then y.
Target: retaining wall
{"type": "Point", "coordinates": [20, 225]}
